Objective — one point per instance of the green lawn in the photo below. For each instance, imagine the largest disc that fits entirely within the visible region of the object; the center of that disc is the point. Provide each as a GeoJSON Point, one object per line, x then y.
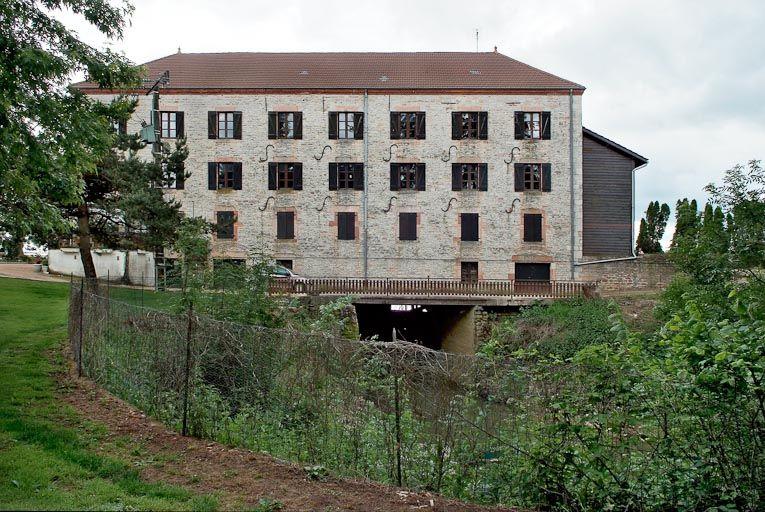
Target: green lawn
{"type": "Point", "coordinates": [49, 456]}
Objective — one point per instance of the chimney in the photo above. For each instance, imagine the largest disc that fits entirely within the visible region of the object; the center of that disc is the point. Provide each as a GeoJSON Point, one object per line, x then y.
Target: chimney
{"type": "Point", "coordinates": [495, 48]}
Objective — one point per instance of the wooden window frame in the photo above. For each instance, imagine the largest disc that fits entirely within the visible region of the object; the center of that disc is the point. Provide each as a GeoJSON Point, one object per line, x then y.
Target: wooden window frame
{"type": "Point", "coordinates": [346, 125]}
{"type": "Point", "coordinates": [224, 235]}
{"type": "Point", "coordinates": [470, 179]}
{"type": "Point", "coordinates": [226, 125]}
{"type": "Point", "coordinates": [407, 129]}
{"type": "Point", "coordinates": [532, 130]}
{"type": "Point", "coordinates": [344, 169]}
{"type": "Point", "coordinates": [285, 125]}
{"type": "Point", "coordinates": [470, 125]}
{"type": "Point", "coordinates": [532, 177]}
{"type": "Point", "coordinates": [166, 119]}
{"type": "Point", "coordinates": [285, 176]}
{"type": "Point", "coordinates": [226, 175]}
{"type": "Point", "coordinates": [407, 177]}
{"type": "Point", "coordinates": [472, 275]}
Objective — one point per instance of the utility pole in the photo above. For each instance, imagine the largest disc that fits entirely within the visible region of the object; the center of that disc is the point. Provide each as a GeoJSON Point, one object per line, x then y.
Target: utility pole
{"type": "Point", "coordinates": [476, 40]}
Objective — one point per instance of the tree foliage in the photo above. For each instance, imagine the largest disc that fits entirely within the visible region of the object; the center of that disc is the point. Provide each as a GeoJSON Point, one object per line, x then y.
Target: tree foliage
{"type": "Point", "coordinates": [652, 228]}
{"type": "Point", "coordinates": [51, 134]}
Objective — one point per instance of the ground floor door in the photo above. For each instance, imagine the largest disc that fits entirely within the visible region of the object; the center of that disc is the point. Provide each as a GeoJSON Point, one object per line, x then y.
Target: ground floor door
{"type": "Point", "coordinates": [532, 279]}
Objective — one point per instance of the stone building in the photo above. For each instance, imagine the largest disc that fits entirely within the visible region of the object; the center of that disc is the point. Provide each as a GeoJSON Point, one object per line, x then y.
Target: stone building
{"type": "Point", "coordinates": [441, 165]}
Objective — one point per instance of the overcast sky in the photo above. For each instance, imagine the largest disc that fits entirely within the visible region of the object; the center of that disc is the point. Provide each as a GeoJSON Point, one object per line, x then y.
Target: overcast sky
{"type": "Point", "coordinates": [680, 82]}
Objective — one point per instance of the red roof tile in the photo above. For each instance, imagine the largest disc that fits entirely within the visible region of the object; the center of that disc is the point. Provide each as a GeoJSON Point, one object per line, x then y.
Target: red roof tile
{"type": "Point", "coordinates": [410, 70]}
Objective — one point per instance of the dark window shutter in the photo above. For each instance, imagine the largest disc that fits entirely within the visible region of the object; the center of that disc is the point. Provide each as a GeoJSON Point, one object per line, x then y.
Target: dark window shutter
{"type": "Point", "coordinates": [341, 226]}
{"type": "Point", "coordinates": [358, 176]}
{"type": "Point", "coordinates": [272, 125]}
{"type": "Point", "coordinates": [237, 125]}
{"type": "Point", "coordinates": [483, 177]}
{"type": "Point", "coordinates": [469, 226]}
{"type": "Point", "coordinates": [420, 125]}
{"type": "Point", "coordinates": [297, 182]}
{"type": "Point", "coordinates": [420, 176]}
{"type": "Point", "coordinates": [332, 125]}
{"type": "Point", "coordinates": [394, 182]}
{"type": "Point", "coordinates": [332, 176]}
{"type": "Point", "coordinates": [272, 169]}
{"type": "Point", "coordinates": [298, 128]}
{"type": "Point", "coordinates": [546, 177]}
{"type": "Point", "coordinates": [238, 176]}
{"type": "Point", "coordinates": [456, 126]}
{"type": "Point", "coordinates": [212, 176]}
{"type": "Point", "coordinates": [532, 227]}
{"type": "Point", "coordinates": [290, 228]}
{"type": "Point", "coordinates": [358, 125]}
{"type": "Point", "coordinates": [395, 126]}
{"type": "Point", "coordinates": [519, 127]}
{"type": "Point", "coordinates": [122, 127]}
{"type": "Point", "coordinates": [407, 226]}
{"type": "Point", "coordinates": [346, 226]}
{"type": "Point", "coordinates": [519, 177]}
{"type": "Point", "coordinates": [546, 125]}
{"type": "Point", "coordinates": [180, 178]}
{"type": "Point", "coordinates": [483, 125]}
{"type": "Point", "coordinates": [285, 225]}
{"type": "Point", "coordinates": [179, 127]}
{"type": "Point", "coordinates": [212, 125]}
{"type": "Point", "coordinates": [456, 176]}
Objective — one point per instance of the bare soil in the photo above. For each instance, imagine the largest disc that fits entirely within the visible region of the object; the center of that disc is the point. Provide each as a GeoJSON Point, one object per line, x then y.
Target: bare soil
{"type": "Point", "coordinates": [238, 478]}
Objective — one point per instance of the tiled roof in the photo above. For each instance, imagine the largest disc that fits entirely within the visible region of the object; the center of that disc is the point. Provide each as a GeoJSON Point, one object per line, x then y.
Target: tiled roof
{"type": "Point", "coordinates": [409, 70]}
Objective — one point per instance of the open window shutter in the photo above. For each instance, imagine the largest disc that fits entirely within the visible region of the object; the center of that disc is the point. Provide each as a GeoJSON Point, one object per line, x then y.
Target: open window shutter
{"type": "Point", "coordinates": [358, 125]}
{"type": "Point", "coordinates": [180, 178]}
{"type": "Point", "coordinates": [483, 125]}
{"type": "Point", "coordinates": [456, 176]}
{"type": "Point", "coordinates": [212, 125]}
{"type": "Point", "coordinates": [179, 128]}
{"type": "Point", "coordinates": [238, 176]}
{"type": "Point", "coordinates": [297, 182]}
{"type": "Point", "coordinates": [237, 125]}
{"type": "Point", "coordinates": [332, 125]}
{"type": "Point", "coordinates": [395, 128]}
{"type": "Point", "coordinates": [546, 177]}
{"type": "Point", "coordinates": [519, 177]}
{"type": "Point", "coordinates": [420, 125]}
{"type": "Point", "coordinates": [483, 177]}
{"type": "Point", "coordinates": [394, 184]}
{"type": "Point", "coordinates": [519, 126]}
{"type": "Point", "coordinates": [358, 177]}
{"type": "Point", "coordinates": [272, 125]}
{"type": "Point", "coordinates": [298, 125]}
{"type": "Point", "coordinates": [420, 176]}
{"type": "Point", "coordinates": [212, 176]}
{"type": "Point", "coordinates": [456, 126]}
{"type": "Point", "coordinates": [332, 176]}
{"type": "Point", "coordinates": [271, 175]}
{"type": "Point", "coordinates": [546, 125]}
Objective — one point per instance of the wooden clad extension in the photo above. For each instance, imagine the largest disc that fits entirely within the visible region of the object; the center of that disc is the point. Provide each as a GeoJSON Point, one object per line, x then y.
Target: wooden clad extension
{"type": "Point", "coordinates": [607, 196]}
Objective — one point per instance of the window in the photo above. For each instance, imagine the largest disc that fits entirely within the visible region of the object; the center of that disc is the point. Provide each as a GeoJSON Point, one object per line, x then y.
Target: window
{"type": "Point", "coordinates": [469, 227]}
{"type": "Point", "coordinates": [346, 226]}
{"type": "Point", "coordinates": [532, 125]}
{"type": "Point", "coordinates": [224, 125]}
{"type": "Point", "coordinates": [530, 177]}
{"type": "Point", "coordinates": [285, 225]}
{"type": "Point", "coordinates": [285, 125]}
{"type": "Point", "coordinates": [407, 176]}
{"type": "Point", "coordinates": [470, 177]}
{"type": "Point", "coordinates": [346, 176]}
{"type": "Point", "coordinates": [532, 227]}
{"type": "Point", "coordinates": [224, 175]}
{"type": "Point", "coordinates": [407, 226]}
{"type": "Point", "coordinates": [532, 271]}
{"type": "Point", "coordinates": [407, 125]}
{"type": "Point", "coordinates": [119, 126]}
{"type": "Point", "coordinates": [346, 125]}
{"type": "Point", "coordinates": [469, 271]}
{"type": "Point", "coordinates": [224, 226]}
{"type": "Point", "coordinates": [470, 125]}
{"type": "Point", "coordinates": [171, 124]}
{"type": "Point", "coordinates": [285, 176]}
{"type": "Point", "coordinates": [285, 263]}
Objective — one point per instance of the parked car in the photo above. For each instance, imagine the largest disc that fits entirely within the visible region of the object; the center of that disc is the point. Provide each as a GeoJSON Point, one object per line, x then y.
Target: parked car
{"type": "Point", "coordinates": [282, 274]}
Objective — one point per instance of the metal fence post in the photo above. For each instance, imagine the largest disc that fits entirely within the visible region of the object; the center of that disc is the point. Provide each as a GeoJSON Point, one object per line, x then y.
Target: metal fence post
{"type": "Point", "coordinates": [397, 408]}
{"type": "Point", "coordinates": [82, 314]}
{"type": "Point", "coordinates": [186, 371]}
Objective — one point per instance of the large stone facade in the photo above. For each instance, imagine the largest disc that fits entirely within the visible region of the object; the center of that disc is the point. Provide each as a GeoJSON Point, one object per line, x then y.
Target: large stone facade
{"type": "Point", "coordinates": [438, 250]}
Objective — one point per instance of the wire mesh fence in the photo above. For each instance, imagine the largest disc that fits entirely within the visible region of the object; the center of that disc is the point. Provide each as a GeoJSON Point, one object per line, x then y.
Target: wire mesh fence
{"type": "Point", "coordinates": [464, 426]}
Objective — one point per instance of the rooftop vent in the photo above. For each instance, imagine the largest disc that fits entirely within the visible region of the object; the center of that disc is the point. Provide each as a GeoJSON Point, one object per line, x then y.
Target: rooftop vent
{"type": "Point", "coordinates": [384, 78]}
{"type": "Point", "coordinates": [474, 72]}
{"type": "Point", "coordinates": [304, 72]}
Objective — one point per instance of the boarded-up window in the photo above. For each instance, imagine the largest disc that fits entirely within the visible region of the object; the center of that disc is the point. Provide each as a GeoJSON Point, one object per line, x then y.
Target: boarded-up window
{"type": "Point", "coordinates": [285, 225]}
{"type": "Point", "coordinates": [532, 227]}
{"type": "Point", "coordinates": [346, 226]}
{"type": "Point", "coordinates": [470, 125]}
{"type": "Point", "coordinates": [469, 271]}
{"type": "Point", "coordinates": [224, 225]}
{"type": "Point", "coordinates": [469, 227]}
{"type": "Point", "coordinates": [407, 226]}
{"type": "Point", "coordinates": [407, 125]}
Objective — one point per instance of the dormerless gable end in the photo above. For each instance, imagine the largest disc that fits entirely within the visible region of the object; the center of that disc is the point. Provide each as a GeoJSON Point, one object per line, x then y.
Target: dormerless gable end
{"type": "Point", "coordinates": [414, 72]}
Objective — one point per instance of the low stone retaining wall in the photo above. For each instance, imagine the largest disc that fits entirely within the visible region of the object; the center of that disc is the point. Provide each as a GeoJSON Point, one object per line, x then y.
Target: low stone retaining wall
{"type": "Point", "coordinates": [647, 272]}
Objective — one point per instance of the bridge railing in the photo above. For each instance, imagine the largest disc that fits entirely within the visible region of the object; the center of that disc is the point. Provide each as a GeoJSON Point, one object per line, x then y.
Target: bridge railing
{"type": "Point", "coordinates": [384, 287]}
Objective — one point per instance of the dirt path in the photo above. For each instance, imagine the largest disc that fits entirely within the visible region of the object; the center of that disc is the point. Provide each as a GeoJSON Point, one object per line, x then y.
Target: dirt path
{"type": "Point", "coordinates": [240, 478]}
{"type": "Point", "coordinates": [27, 271]}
